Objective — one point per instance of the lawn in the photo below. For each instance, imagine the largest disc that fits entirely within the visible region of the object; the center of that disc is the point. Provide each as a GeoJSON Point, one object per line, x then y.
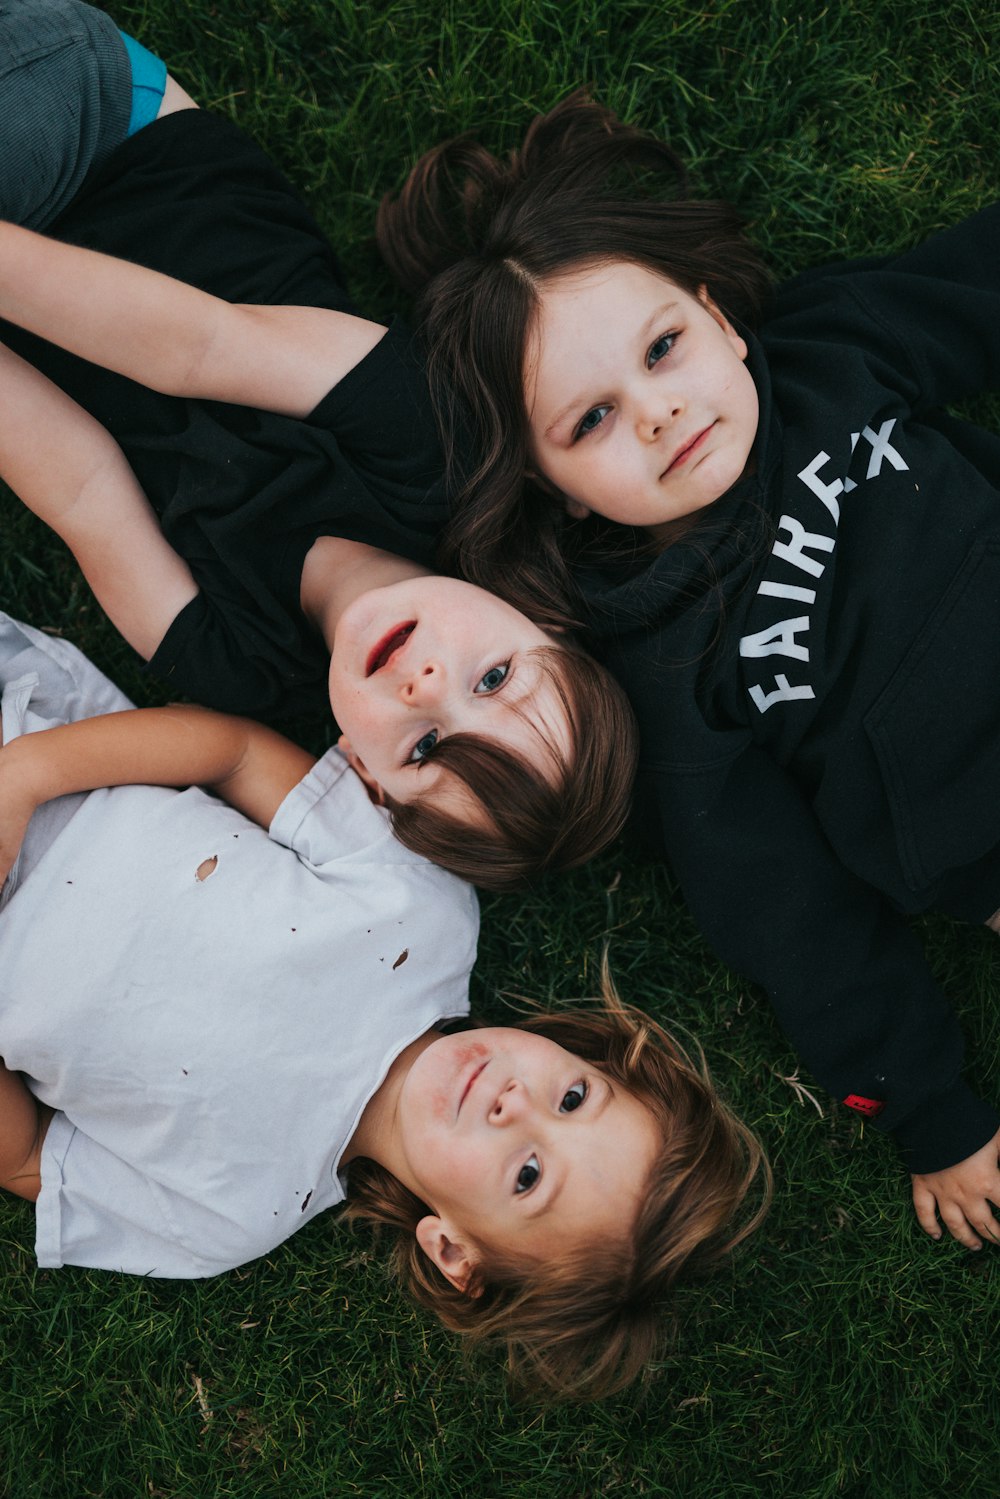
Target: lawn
{"type": "Point", "coordinates": [842, 1353]}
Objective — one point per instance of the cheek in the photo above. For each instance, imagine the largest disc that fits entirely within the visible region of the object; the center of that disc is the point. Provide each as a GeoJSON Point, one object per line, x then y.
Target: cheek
{"type": "Point", "coordinates": [357, 719]}
{"type": "Point", "coordinates": [587, 468]}
{"type": "Point", "coordinates": [749, 399]}
{"type": "Point", "coordinates": [550, 466]}
{"type": "Point", "coordinates": [340, 696]}
{"type": "Point", "coordinates": [453, 1175]}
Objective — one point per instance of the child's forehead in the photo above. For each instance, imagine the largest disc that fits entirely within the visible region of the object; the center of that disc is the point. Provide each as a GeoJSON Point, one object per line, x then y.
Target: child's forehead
{"type": "Point", "coordinates": [607, 272]}
{"type": "Point", "coordinates": [586, 314]}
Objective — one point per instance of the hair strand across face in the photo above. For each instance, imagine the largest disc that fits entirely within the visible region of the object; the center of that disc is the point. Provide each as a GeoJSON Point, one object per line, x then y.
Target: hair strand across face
{"type": "Point", "coordinates": [554, 812]}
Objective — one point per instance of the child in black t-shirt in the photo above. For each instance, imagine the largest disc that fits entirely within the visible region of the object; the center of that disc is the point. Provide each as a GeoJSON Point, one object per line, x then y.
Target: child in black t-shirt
{"type": "Point", "coordinates": [285, 464]}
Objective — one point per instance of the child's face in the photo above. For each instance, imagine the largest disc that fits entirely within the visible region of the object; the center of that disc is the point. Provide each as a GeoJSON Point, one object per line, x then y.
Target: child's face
{"type": "Point", "coordinates": [426, 657]}
{"type": "Point", "coordinates": [518, 1145]}
{"type": "Point", "coordinates": [640, 404]}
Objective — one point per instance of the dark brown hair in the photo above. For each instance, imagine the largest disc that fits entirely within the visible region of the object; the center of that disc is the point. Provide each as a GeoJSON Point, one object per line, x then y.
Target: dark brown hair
{"type": "Point", "coordinates": [549, 814]}
{"type": "Point", "coordinates": [477, 239]}
{"type": "Point", "coordinates": [587, 1325]}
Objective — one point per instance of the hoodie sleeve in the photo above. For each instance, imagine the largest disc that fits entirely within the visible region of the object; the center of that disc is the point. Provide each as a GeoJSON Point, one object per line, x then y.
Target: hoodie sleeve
{"type": "Point", "coordinates": [846, 976]}
{"type": "Point", "coordinates": [937, 305]}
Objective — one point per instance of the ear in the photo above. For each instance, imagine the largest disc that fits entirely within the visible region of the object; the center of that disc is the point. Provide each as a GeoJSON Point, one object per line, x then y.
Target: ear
{"type": "Point", "coordinates": [454, 1259]}
{"type": "Point", "coordinates": [356, 763]}
{"type": "Point", "coordinates": [574, 509]}
{"type": "Point", "coordinates": [715, 311]}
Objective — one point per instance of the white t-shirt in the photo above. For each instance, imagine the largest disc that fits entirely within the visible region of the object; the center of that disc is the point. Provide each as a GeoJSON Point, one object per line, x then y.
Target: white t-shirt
{"type": "Point", "coordinates": [208, 1006]}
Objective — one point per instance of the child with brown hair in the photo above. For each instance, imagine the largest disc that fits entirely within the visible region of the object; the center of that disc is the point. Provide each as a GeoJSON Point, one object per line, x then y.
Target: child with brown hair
{"type": "Point", "coordinates": [785, 550]}
{"type": "Point", "coordinates": [287, 464]}
{"type": "Point", "coordinates": [216, 1021]}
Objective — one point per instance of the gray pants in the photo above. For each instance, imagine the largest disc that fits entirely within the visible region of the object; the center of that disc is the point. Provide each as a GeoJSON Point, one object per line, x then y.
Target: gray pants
{"type": "Point", "coordinates": [65, 100]}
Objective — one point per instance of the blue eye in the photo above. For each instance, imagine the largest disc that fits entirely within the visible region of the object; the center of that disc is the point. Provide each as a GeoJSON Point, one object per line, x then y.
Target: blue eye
{"type": "Point", "coordinates": [574, 1098]}
{"type": "Point", "coordinates": [660, 349]}
{"type": "Point", "coordinates": [422, 748]}
{"type": "Point", "coordinates": [591, 421]}
{"type": "Point", "coordinates": [528, 1175]}
{"type": "Point", "coordinates": [494, 678]}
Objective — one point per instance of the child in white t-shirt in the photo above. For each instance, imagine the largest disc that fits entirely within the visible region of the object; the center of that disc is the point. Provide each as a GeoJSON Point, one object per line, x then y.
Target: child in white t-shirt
{"type": "Point", "coordinates": [211, 1015]}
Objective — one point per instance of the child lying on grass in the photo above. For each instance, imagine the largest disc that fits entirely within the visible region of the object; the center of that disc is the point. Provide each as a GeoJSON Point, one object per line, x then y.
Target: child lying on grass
{"type": "Point", "coordinates": [216, 1020]}
{"type": "Point", "coordinates": [286, 463]}
{"type": "Point", "coordinates": [785, 549]}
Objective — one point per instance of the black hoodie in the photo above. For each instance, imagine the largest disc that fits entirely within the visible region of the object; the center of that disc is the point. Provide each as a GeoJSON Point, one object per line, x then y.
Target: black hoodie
{"type": "Point", "coordinates": [816, 671]}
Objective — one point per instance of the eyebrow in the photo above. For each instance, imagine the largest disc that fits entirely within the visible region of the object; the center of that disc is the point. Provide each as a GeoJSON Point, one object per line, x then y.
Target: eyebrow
{"type": "Point", "coordinates": [579, 401]}
{"type": "Point", "coordinates": [546, 1204]}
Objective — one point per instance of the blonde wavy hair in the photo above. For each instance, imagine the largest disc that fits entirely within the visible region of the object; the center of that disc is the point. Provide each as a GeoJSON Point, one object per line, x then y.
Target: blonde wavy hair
{"type": "Point", "coordinates": [586, 1326]}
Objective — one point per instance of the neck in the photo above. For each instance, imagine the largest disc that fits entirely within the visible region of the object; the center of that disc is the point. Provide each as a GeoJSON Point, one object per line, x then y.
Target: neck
{"type": "Point", "coordinates": [337, 571]}
{"type": "Point", "coordinates": [377, 1131]}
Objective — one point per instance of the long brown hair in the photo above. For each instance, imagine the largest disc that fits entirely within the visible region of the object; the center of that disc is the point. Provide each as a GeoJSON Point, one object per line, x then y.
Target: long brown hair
{"type": "Point", "coordinates": [478, 239]}
{"type": "Point", "coordinates": [587, 1325]}
{"type": "Point", "coordinates": [553, 813]}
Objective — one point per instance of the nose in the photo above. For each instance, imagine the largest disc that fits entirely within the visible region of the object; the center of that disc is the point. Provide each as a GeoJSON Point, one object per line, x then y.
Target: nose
{"type": "Point", "coordinates": [654, 414]}
{"type": "Point", "coordinates": [423, 684]}
{"type": "Point", "coordinates": [512, 1103]}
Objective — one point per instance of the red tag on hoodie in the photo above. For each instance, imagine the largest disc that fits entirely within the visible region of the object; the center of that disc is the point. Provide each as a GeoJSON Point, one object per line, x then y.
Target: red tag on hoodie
{"type": "Point", "coordinates": [870, 1107]}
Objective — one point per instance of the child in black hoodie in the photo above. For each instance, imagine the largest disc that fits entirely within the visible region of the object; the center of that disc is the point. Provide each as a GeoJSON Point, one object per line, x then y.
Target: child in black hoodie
{"type": "Point", "coordinates": [784, 548]}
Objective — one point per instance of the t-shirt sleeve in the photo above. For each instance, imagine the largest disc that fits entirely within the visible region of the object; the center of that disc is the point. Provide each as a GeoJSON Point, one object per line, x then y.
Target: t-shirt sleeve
{"type": "Point", "coordinates": [383, 418]}
{"type": "Point", "coordinates": [329, 819]}
{"type": "Point", "coordinates": [847, 978]}
{"type": "Point", "coordinates": [97, 1210]}
{"type": "Point", "coordinates": [229, 657]}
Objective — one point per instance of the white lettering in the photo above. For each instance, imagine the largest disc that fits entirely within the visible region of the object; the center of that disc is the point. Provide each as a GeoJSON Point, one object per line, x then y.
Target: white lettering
{"type": "Point", "coordinates": [788, 591]}
{"type": "Point", "coordinates": [783, 693]}
{"type": "Point", "coordinates": [881, 448]}
{"type": "Point", "coordinates": [849, 484]}
{"type": "Point", "coordinates": [828, 493]}
{"type": "Point", "coordinates": [799, 538]}
{"type": "Point", "coordinates": [777, 640]}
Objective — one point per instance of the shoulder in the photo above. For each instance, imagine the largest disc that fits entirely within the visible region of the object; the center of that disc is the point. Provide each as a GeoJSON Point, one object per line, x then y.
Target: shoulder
{"type": "Point", "coordinates": [383, 414]}
{"type": "Point", "coordinates": [329, 820]}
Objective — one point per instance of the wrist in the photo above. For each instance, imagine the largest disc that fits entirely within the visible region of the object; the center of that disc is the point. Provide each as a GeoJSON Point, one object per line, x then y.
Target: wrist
{"type": "Point", "coordinates": [22, 776]}
{"type": "Point", "coordinates": [945, 1129]}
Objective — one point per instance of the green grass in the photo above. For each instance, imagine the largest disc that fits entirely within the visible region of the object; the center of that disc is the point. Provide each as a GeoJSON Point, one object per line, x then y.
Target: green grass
{"type": "Point", "coordinates": [842, 1354]}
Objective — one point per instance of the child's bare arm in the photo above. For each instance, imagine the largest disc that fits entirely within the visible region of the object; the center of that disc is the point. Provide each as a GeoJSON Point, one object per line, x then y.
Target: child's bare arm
{"type": "Point", "coordinates": [23, 1122]}
{"type": "Point", "coordinates": [963, 1196]}
{"type": "Point", "coordinates": [72, 474]}
{"type": "Point", "coordinates": [171, 336]}
{"type": "Point", "coordinates": [250, 765]}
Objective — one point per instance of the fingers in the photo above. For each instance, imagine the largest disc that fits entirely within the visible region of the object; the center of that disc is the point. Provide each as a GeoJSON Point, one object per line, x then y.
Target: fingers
{"type": "Point", "coordinates": [959, 1226]}
{"type": "Point", "coordinates": [989, 1227]}
{"type": "Point", "coordinates": [925, 1207]}
{"type": "Point", "coordinates": [970, 1224]}
{"type": "Point", "coordinates": [963, 1197]}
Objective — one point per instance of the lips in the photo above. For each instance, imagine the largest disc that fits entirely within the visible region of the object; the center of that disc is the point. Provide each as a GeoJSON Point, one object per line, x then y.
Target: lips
{"type": "Point", "coordinates": [682, 454]}
{"type": "Point", "coordinates": [480, 1067]}
{"type": "Point", "coordinates": [387, 647]}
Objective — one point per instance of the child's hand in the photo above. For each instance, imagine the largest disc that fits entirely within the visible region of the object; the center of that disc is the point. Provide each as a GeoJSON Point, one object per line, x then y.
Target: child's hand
{"type": "Point", "coordinates": [964, 1196]}
{"type": "Point", "coordinates": [17, 803]}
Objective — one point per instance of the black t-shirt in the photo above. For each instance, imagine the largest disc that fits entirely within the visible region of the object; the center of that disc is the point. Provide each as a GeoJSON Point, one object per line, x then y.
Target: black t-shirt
{"type": "Point", "coordinates": [242, 494]}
